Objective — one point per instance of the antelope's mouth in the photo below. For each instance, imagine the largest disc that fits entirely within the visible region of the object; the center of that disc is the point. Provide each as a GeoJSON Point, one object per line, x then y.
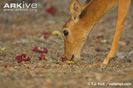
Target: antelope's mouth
{"type": "Point", "coordinates": [72, 57]}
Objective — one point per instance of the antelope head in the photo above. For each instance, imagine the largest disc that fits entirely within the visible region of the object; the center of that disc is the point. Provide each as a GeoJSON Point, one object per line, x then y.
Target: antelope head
{"type": "Point", "coordinates": [74, 31]}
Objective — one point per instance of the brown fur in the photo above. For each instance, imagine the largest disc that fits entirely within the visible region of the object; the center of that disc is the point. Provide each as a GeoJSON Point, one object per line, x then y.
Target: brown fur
{"type": "Point", "coordinates": [83, 18]}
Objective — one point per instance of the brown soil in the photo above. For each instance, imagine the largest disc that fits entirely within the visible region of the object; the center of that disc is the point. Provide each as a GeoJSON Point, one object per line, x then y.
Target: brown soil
{"type": "Point", "coordinates": [21, 31]}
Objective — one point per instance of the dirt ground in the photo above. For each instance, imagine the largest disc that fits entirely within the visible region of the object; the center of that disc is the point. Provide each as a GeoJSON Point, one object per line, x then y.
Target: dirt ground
{"type": "Point", "coordinates": [20, 31]}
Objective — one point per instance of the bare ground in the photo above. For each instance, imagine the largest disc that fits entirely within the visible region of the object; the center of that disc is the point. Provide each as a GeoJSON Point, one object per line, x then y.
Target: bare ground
{"type": "Point", "coordinates": [21, 31]}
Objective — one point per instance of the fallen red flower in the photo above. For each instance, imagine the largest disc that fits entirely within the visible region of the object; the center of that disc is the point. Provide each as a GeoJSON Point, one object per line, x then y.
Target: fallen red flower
{"type": "Point", "coordinates": [37, 49]}
{"type": "Point", "coordinates": [26, 59]}
{"type": "Point", "coordinates": [51, 10]}
{"type": "Point", "coordinates": [19, 59]}
{"type": "Point", "coordinates": [40, 50]}
{"type": "Point", "coordinates": [45, 50]}
{"type": "Point", "coordinates": [42, 56]}
{"type": "Point", "coordinates": [22, 57]}
{"type": "Point", "coordinates": [45, 35]}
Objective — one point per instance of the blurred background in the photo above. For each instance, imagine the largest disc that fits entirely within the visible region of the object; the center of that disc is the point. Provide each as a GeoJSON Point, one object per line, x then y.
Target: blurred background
{"type": "Point", "coordinates": [48, 11]}
{"type": "Point", "coordinates": [23, 32]}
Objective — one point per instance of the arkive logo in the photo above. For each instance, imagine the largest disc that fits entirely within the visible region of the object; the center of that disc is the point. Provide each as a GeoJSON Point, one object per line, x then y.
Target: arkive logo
{"type": "Point", "coordinates": [20, 6]}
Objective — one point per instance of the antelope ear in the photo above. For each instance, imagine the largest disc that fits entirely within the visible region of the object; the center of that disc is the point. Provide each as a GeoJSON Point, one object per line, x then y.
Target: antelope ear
{"type": "Point", "coordinates": [75, 9]}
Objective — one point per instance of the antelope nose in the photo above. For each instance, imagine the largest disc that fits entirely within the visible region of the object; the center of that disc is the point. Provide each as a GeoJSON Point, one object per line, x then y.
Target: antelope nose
{"type": "Point", "coordinates": [72, 57]}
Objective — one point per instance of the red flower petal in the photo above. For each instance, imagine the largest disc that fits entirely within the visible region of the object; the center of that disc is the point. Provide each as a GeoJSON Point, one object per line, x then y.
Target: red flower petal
{"type": "Point", "coordinates": [51, 10]}
{"type": "Point", "coordinates": [22, 57]}
{"type": "Point", "coordinates": [19, 59]}
{"type": "Point", "coordinates": [45, 50]}
{"type": "Point", "coordinates": [42, 56]}
{"type": "Point", "coordinates": [26, 59]}
{"type": "Point", "coordinates": [35, 49]}
{"type": "Point", "coordinates": [45, 35]}
{"type": "Point", "coordinates": [40, 50]}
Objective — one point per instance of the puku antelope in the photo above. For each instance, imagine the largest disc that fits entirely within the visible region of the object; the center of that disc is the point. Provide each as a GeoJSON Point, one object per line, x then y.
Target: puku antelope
{"type": "Point", "coordinates": [84, 17]}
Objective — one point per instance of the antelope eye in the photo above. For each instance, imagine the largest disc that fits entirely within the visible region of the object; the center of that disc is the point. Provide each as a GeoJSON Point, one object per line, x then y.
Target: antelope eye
{"type": "Point", "coordinates": [65, 32]}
